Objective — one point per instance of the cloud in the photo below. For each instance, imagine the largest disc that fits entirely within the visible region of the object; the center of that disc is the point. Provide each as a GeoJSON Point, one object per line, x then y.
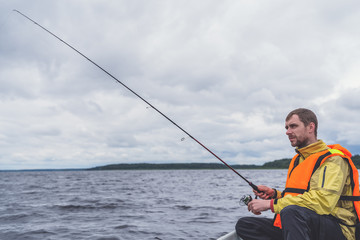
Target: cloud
{"type": "Point", "coordinates": [227, 72]}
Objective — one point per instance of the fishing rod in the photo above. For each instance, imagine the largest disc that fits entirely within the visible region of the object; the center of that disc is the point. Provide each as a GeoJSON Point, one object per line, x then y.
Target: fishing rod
{"type": "Point", "coordinates": [132, 91]}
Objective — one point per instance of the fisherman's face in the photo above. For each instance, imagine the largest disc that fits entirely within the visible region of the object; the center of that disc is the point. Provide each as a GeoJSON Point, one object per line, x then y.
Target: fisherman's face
{"type": "Point", "coordinates": [298, 133]}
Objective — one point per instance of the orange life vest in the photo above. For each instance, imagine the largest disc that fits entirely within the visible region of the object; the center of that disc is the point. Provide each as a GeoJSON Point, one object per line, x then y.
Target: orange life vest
{"type": "Point", "coordinates": [298, 178]}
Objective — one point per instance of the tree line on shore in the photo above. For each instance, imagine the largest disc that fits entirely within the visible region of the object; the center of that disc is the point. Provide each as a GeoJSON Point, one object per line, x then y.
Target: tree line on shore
{"type": "Point", "coordinates": [276, 164]}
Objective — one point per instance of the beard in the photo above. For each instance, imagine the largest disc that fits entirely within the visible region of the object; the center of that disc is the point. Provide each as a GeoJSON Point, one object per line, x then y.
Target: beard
{"type": "Point", "coordinates": [299, 143]}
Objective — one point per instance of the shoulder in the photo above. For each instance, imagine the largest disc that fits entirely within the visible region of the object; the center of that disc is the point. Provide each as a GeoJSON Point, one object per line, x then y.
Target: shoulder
{"type": "Point", "coordinates": [337, 159]}
{"type": "Point", "coordinates": [337, 162]}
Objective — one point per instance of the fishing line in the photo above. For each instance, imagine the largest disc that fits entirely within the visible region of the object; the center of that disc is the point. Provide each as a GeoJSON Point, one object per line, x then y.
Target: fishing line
{"type": "Point", "coordinates": [132, 91]}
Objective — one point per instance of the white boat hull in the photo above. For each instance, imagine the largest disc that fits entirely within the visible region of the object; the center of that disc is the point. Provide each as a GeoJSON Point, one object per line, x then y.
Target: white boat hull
{"type": "Point", "coordinates": [230, 236]}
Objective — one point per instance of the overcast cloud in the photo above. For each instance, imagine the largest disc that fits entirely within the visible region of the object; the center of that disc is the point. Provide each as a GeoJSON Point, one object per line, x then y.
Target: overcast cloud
{"type": "Point", "coordinates": [228, 72]}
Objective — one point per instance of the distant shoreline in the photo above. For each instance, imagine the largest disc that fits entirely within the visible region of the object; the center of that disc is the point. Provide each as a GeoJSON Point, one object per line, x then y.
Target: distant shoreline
{"type": "Point", "coordinates": [170, 166]}
{"type": "Point", "coordinates": [45, 170]}
{"type": "Point", "coordinates": [276, 164]}
{"type": "Point", "coordinates": [146, 166]}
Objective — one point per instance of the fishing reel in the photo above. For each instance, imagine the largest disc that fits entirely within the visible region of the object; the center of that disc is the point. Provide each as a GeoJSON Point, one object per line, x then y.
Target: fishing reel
{"type": "Point", "coordinates": [244, 200]}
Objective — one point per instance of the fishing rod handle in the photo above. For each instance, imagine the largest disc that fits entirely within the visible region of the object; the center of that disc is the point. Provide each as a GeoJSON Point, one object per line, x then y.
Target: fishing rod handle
{"type": "Point", "coordinates": [255, 187]}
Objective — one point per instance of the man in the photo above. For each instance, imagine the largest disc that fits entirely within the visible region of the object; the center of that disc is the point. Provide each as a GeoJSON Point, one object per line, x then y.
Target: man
{"type": "Point", "coordinates": [321, 197]}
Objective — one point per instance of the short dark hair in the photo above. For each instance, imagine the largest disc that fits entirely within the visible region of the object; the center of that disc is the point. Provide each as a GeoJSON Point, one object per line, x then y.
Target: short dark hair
{"type": "Point", "coordinates": [306, 116]}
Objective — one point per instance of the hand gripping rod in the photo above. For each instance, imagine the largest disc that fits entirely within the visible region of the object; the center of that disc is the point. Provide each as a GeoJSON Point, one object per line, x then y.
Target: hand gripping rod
{"type": "Point", "coordinates": [152, 106]}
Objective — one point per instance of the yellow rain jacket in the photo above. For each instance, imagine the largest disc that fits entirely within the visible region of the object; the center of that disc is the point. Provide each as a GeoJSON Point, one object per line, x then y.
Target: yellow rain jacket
{"type": "Point", "coordinates": [333, 177]}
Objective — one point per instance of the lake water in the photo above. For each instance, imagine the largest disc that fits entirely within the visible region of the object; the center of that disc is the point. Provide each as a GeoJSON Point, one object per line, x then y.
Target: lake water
{"type": "Point", "coordinates": [125, 205]}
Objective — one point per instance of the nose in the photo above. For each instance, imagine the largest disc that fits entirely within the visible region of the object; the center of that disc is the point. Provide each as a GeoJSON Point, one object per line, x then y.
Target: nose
{"type": "Point", "coordinates": [288, 131]}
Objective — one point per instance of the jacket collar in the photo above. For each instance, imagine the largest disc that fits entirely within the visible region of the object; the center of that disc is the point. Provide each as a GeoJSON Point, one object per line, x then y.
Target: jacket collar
{"type": "Point", "coordinates": [311, 149]}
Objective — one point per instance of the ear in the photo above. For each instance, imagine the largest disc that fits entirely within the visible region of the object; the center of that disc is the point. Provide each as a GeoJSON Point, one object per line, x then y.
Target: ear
{"type": "Point", "coordinates": [311, 127]}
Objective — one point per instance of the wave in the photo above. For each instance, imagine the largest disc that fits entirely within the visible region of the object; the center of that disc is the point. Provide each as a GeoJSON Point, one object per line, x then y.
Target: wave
{"type": "Point", "coordinates": [183, 207]}
{"type": "Point", "coordinates": [27, 235]}
{"type": "Point", "coordinates": [13, 217]}
{"type": "Point", "coordinates": [125, 226]}
{"type": "Point", "coordinates": [98, 206]}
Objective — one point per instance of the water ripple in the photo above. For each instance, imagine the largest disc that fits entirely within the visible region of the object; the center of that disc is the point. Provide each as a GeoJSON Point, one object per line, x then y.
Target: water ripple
{"type": "Point", "coordinates": [123, 205]}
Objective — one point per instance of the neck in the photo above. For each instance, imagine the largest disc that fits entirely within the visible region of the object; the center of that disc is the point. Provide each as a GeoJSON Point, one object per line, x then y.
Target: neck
{"type": "Point", "coordinates": [307, 143]}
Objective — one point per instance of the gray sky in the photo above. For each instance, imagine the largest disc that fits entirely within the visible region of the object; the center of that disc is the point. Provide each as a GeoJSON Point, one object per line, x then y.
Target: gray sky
{"type": "Point", "coordinates": [228, 72]}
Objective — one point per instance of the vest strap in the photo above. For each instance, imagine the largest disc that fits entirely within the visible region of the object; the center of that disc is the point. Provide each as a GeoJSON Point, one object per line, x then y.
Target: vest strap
{"type": "Point", "coordinates": [350, 198]}
{"type": "Point", "coordinates": [294, 190]}
{"type": "Point", "coordinates": [320, 159]}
